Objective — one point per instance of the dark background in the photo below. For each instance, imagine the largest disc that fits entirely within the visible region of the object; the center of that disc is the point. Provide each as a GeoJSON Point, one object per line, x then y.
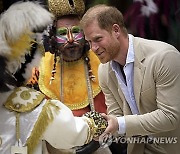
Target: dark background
{"type": "Point", "coordinates": [164, 26]}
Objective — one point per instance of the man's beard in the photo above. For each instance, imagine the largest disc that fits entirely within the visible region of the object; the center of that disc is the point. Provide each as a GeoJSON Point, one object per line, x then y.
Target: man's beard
{"type": "Point", "coordinates": [72, 53]}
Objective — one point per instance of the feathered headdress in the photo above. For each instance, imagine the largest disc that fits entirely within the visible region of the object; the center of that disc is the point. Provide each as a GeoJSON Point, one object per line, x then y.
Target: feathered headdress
{"type": "Point", "coordinates": [18, 37]}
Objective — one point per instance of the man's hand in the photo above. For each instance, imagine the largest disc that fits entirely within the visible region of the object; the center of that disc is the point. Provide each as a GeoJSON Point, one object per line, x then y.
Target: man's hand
{"type": "Point", "coordinates": [111, 128]}
{"type": "Point", "coordinates": [112, 124]}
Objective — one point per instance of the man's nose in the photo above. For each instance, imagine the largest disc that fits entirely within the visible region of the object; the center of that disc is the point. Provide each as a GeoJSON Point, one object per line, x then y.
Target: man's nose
{"type": "Point", "coordinates": [94, 47]}
{"type": "Point", "coordinates": [70, 37]}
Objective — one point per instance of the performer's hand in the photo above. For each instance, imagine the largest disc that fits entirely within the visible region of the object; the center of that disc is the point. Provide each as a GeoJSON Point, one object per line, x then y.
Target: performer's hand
{"type": "Point", "coordinates": [112, 124]}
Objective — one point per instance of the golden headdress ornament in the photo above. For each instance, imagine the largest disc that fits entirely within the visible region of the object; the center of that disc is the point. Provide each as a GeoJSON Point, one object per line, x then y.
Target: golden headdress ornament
{"type": "Point", "coordinates": [66, 7]}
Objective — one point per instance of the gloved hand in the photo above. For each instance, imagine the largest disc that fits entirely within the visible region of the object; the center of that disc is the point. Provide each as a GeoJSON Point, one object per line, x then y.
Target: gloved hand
{"type": "Point", "coordinates": [88, 148]}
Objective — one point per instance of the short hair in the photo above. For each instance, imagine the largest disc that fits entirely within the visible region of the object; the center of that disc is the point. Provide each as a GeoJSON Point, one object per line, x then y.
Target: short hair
{"type": "Point", "coordinates": [105, 15]}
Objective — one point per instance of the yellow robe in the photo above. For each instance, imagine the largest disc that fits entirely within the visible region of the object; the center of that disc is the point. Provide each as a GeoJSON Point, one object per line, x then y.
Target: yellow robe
{"type": "Point", "coordinates": [74, 81]}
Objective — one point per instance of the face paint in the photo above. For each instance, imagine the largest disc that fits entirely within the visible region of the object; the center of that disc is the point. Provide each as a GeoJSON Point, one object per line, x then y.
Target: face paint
{"type": "Point", "coordinates": [69, 35]}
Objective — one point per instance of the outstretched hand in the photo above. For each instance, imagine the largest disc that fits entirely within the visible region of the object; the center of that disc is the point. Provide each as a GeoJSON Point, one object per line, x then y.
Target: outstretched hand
{"type": "Point", "coordinates": [112, 126]}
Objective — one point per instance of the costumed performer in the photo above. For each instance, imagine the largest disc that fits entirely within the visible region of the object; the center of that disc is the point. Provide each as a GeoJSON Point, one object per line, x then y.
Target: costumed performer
{"type": "Point", "coordinates": [69, 72]}
{"type": "Point", "coordinates": [26, 117]}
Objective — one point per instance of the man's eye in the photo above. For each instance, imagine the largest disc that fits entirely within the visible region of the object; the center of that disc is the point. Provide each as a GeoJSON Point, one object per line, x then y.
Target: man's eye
{"type": "Point", "coordinates": [76, 29]}
{"type": "Point", "coordinates": [62, 32]}
{"type": "Point", "coordinates": [98, 39]}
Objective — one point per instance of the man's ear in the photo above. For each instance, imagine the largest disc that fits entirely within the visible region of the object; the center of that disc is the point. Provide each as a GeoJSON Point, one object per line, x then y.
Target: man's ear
{"type": "Point", "coordinates": [116, 30]}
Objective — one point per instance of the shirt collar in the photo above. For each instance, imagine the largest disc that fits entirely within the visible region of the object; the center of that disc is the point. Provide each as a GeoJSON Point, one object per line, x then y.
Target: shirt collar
{"type": "Point", "coordinates": [130, 54]}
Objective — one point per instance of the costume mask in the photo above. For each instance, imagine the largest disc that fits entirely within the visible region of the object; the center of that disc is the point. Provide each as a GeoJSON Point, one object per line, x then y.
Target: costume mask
{"type": "Point", "coordinates": [69, 35]}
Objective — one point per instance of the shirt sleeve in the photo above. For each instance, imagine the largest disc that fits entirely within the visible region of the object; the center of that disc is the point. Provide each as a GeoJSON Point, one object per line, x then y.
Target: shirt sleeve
{"type": "Point", "coordinates": [122, 125]}
{"type": "Point", "coordinates": [67, 131]}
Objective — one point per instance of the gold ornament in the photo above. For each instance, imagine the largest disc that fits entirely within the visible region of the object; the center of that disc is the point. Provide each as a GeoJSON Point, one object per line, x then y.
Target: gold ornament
{"type": "Point", "coordinates": [66, 7]}
{"type": "Point", "coordinates": [99, 120]}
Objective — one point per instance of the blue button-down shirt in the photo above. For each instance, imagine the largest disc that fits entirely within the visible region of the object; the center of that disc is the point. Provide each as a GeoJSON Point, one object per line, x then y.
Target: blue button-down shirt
{"type": "Point", "coordinates": [127, 86]}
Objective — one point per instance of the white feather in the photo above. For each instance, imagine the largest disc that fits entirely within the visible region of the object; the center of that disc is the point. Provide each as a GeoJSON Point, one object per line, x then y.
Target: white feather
{"type": "Point", "coordinates": [35, 63]}
{"type": "Point", "coordinates": [19, 18]}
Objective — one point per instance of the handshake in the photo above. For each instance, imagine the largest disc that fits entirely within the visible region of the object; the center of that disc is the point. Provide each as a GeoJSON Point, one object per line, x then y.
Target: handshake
{"type": "Point", "coordinates": [100, 124]}
{"type": "Point", "coordinates": [99, 121]}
